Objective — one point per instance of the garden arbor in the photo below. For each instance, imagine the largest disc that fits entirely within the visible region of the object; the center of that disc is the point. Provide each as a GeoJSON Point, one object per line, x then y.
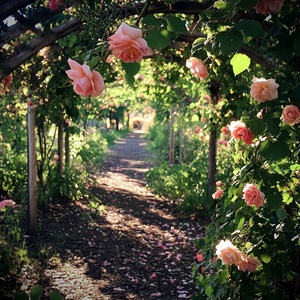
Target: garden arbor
{"type": "Point", "coordinates": [237, 41]}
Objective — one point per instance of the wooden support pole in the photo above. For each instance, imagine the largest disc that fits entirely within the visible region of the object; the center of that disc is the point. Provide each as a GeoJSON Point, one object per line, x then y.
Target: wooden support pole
{"type": "Point", "coordinates": [60, 146]}
{"type": "Point", "coordinates": [32, 169]}
{"type": "Point", "coordinates": [172, 137]}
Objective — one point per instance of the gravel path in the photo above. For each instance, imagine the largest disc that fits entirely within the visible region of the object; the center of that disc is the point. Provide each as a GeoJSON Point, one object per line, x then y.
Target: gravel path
{"type": "Point", "coordinates": [137, 247]}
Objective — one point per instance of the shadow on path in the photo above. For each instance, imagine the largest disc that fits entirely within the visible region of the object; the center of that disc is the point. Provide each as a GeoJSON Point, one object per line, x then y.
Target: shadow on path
{"type": "Point", "coordinates": [137, 247]}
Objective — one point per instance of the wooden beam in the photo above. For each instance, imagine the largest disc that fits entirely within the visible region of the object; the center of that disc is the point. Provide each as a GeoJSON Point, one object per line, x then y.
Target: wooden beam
{"type": "Point", "coordinates": [9, 7]}
{"type": "Point", "coordinates": [58, 32]}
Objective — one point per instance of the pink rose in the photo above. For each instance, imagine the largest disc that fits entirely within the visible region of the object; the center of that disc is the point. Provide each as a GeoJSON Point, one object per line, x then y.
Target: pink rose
{"type": "Point", "coordinates": [54, 4]}
{"type": "Point", "coordinates": [56, 157]}
{"type": "Point", "coordinates": [239, 131]}
{"type": "Point", "coordinates": [291, 115]}
{"type": "Point", "coordinates": [248, 263]}
{"type": "Point", "coordinates": [268, 6]}
{"type": "Point", "coordinates": [264, 89]}
{"type": "Point", "coordinates": [219, 183]}
{"type": "Point", "coordinates": [86, 82]}
{"type": "Point", "coordinates": [6, 203]}
{"type": "Point", "coordinates": [218, 194]}
{"type": "Point", "coordinates": [225, 130]}
{"type": "Point", "coordinates": [228, 253]}
{"type": "Point", "coordinates": [197, 129]}
{"type": "Point", "coordinates": [128, 45]}
{"type": "Point", "coordinates": [197, 67]}
{"type": "Point", "coordinates": [253, 196]}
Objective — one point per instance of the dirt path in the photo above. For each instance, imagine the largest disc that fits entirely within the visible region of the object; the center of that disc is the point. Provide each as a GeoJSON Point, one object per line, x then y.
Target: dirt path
{"type": "Point", "coordinates": [136, 248]}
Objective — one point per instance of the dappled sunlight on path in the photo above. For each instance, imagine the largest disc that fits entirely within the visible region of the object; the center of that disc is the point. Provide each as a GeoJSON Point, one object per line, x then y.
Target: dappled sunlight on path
{"type": "Point", "coordinates": [135, 247]}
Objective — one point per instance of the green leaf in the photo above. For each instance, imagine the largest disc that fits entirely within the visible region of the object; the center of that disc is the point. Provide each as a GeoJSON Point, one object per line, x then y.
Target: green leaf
{"type": "Point", "coordinates": [274, 151]}
{"type": "Point", "coordinates": [266, 258]}
{"type": "Point", "coordinates": [56, 295]}
{"type": "Point", "coordinates": [257, 126]}
{"type": "Point", "coordinates": [175, 24]}
{"type": "Point", "coordinates": [220, 4]}
{"type": "Point", "coordinates": [250, 28]}
{"type": "Point", "coordinates": [241, 223]}
{"type": "Point", "coordinates": [21, 296]}
{"type": "Point", "coordinates": [229, 41]}
{"type": "Point", "coordinates": [198, 44]}
{"type": "Point", "coordinates": [151, 20]}
{"type": "Point", "coordinates": [36, 292]}
{"type": "Point", "coordinates": [158, 39]}
{"type": "Point", "coordinates": [94, 61]}
{"type": "Point", "coordinates": [281, 214]}
{"type": "Point", "coordinates": [195, 118]}
{"type": "Point", "coordinates": [208, 290]}
{"type": "Point", "coordinates": [247, 4]}
{"type": "Point", "coordinates": [131, 69]}
{"type": "Point", "coordinates": [240, 62]}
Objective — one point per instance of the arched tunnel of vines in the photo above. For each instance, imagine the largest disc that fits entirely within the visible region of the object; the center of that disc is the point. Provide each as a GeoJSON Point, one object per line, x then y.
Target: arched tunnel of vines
{"type": "Point", "coordinates": [149, 149]}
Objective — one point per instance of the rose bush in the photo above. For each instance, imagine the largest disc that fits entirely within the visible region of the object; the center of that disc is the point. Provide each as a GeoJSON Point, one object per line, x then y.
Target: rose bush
{"type": "Point", "coordinates": [85, 82]}
{"type": "Point", "coordinates": [128, 45]}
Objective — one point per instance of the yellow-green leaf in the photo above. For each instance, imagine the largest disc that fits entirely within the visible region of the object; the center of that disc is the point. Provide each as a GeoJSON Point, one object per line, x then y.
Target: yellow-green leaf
{"type": "Point", "coordinates": [240, 62]}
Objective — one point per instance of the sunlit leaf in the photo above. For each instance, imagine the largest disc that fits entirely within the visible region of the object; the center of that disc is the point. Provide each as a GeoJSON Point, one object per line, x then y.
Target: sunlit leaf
{"type": "Point", "coordinates": [240, 62]}
{"type": "Point", "coordinates": [266, 258]}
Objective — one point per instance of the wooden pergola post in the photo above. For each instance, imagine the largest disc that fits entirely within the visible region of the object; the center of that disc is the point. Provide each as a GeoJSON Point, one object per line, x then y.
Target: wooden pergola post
{"type": "Point", "coordinates": [172, 137]}
{"type": "Point", "coordinates": [32, 169]}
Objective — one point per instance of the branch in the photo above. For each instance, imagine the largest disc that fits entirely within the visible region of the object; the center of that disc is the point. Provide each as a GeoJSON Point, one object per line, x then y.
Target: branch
{"type": "Point", "coordinates": [58, 32]}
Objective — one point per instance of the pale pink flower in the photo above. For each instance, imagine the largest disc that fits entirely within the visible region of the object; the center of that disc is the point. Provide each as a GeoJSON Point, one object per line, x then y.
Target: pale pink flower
{"type": "Point", "coordinates": [218, 194]}
{"type": "Point", "coordinates": [240, 131]}
{"type": "Point", "coordinates": [7, 203]}
{"type": "Point", "coordinates": [291, 115]}
{"type": "Point", "coordinates": [41, 102]}
{"type": "Point", "coordinates": [55, 156]}
{"type": "Point", "coordinates": [153, 275]}
{"type": "Point", "coordinates": [248, 263]}
{"type": "Point", "coordinates": [86, 82]}
{"type": "Point", "coordinates": [268, 6]}
{"type": "Point", "coordinates": [53, 162]}
{"type": "Point", "coordinates": [128, 45]}
{"type": "Point", "coordinates": [218, 183]}
{"type": "Point", "coordinates": [197, 67]}
{"type": "Point", "coordinates": [263, 89]}
{"type": "Point", "coordinates": [228, 253]}
{"type": "Point", "coordinates": [253, 196]}
{"type": "Point", "coordinates": [67, 121]}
